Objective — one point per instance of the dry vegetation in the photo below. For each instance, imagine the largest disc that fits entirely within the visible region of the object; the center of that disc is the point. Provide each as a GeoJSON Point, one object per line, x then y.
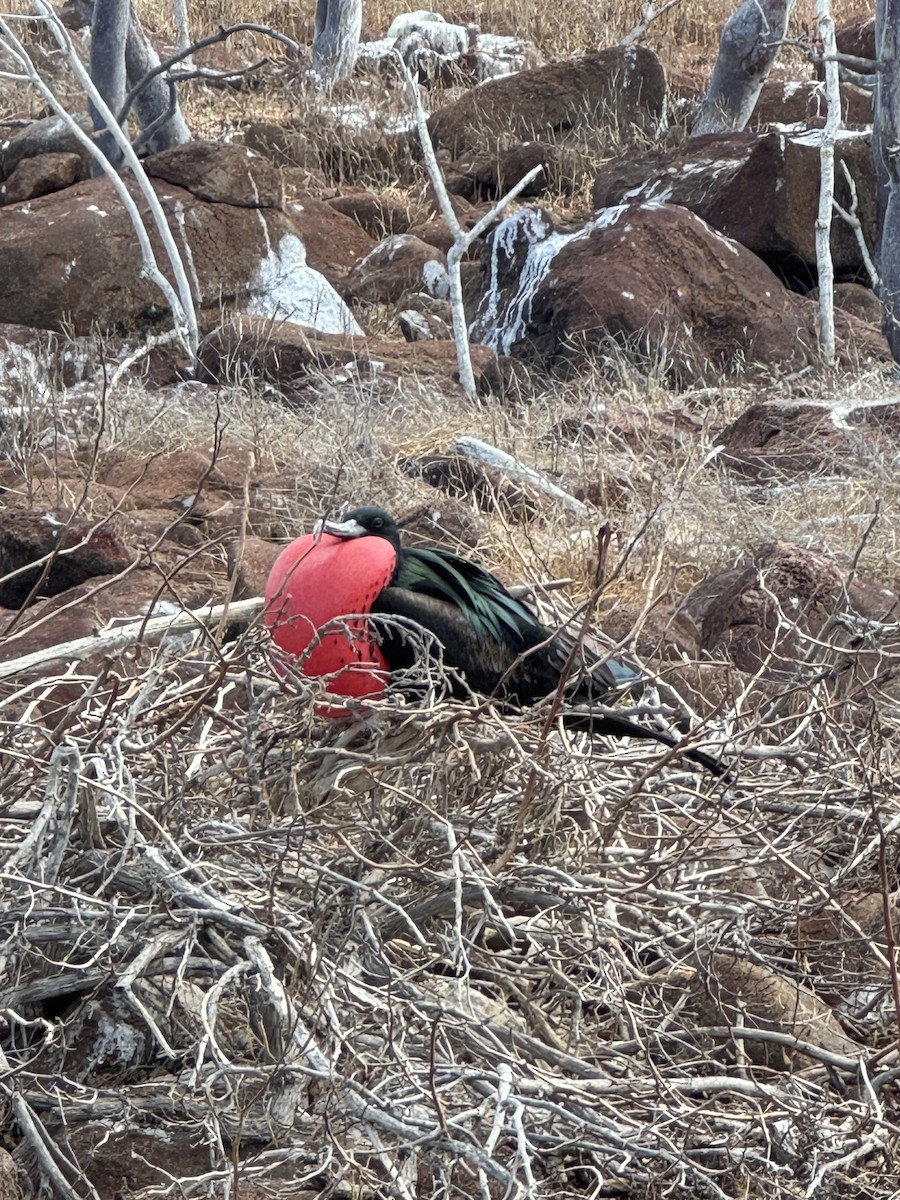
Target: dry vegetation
{"type": "Point", "coordinates": [450, 951]}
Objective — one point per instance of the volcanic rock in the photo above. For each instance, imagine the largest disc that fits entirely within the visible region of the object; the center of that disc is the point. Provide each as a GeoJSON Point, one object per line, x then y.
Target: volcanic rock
{"type": "Point", "coordinates": [71, 261]}
{"type": "Point", "coordinates": [762, 190]}
{"type": "Point", "coordinates": [82, 550]}
{"type": "Point", "coordinates": [620, 88]}
{"type": "Point", "coordinates": [400, 264]}
{"type": "Point", "coordinates": [658, 281]}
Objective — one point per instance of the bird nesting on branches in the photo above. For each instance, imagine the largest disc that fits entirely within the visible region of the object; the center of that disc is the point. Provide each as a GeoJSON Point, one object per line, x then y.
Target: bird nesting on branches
{"type": "Point", "coordinates": [341, 600]}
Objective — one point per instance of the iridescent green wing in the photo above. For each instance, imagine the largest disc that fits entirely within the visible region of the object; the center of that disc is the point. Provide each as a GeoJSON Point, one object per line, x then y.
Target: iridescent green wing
{"type": "Point", "coordinates": [486, 603]}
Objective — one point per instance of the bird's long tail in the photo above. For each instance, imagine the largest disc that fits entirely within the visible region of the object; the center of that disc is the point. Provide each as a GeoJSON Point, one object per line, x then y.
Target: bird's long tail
{"type": "Point", "coordinates": [610, 725]}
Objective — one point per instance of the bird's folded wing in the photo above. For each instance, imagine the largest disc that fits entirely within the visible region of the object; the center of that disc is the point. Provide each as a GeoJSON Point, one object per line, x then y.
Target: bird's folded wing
{"type": "Point", "coordinates": [483, 660]}
{"type": "Point", "coordinates": [483, 599]}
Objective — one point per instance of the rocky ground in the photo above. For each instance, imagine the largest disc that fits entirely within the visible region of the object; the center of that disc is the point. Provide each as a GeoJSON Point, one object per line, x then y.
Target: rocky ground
{"type": "Point", "coordinates": [448, 950]}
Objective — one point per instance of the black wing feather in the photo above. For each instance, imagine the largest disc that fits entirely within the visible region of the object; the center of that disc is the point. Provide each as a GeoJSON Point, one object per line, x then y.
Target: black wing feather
{"type": "Point", "coordinates": [495, 640]}
{"type": "Point", "coordinates": [500, 646]}
{"type": "Point", "coordinates": [480, 595]}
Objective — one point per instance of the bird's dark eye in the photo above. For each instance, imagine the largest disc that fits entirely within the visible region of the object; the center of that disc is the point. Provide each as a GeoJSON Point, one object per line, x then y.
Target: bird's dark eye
{"type": "Point", "coordinates": [377, 523]}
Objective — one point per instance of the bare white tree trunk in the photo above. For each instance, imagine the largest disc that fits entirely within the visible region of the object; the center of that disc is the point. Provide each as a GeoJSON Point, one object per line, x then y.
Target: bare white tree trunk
{"type": "Point", "coordinates": [824, 262]}
{"type": "Point", "coordinates": [462, 239]}
{"type": "Point", "coordinates": [749, 45]}
{"type": "Point", "coordinates": [109, 27]}
{"type": "Point", "coordinates": [121, 56]}
{"type": "Point", "coordinates": [182, 25]}
{"type": "Point", "coordinates": [886, 147]}
{"type": "Point", "coordinates": [338, 26]}
{"type": "Point", "coordinates": [157, 106]}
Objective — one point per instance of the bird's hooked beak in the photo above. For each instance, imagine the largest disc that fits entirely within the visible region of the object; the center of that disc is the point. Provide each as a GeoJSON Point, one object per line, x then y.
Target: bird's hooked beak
{"type": "Point", "coordinates": [341, 529]}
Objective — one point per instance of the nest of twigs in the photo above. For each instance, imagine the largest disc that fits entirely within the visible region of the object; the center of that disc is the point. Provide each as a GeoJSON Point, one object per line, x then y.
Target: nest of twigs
{"type": "Point", "coordinates": [443, 951]}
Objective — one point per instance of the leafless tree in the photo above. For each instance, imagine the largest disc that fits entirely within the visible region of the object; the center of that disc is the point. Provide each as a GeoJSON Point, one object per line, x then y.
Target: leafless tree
{"type": "Point", "coordinates": [338, 26]}
{"type": "Point", "coordinates": [886, 147]}
{"type": "Point", "coordinates": [830, 134]}
{"type": "Point", "coordinates": [749, 44]}
{"type": "Point", "coordinates": [179, 297]}
{"type": "Point", "coordinates": [156, 104]}
{"type": "Point", "coordinates": [109, 29]}
{"type": "Point", "coordinates": [122, 56]}
{"type": "Point", "coordinates": [462, 239]}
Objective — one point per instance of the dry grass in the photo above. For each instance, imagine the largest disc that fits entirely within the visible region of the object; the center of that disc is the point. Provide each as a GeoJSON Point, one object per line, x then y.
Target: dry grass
{"type": "Point", "coordinates": [448, 951]}
{"type": "Point", "coordinates": [451, 951]}
{"type": "Point", "coordinates": [689, 26]}
{"type": "Point", "coordinates": [582, 26]}
{"type": "Point", "coordinates": [683, 38]}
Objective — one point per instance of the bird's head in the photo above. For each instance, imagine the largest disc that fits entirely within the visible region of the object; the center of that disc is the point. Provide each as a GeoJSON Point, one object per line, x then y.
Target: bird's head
{"type": "Point", "coordinates": [365, 522]}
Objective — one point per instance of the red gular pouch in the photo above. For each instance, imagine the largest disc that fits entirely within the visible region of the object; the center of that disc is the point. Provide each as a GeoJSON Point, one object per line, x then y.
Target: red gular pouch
{"type": "Point", "coordinates": [316, 582]}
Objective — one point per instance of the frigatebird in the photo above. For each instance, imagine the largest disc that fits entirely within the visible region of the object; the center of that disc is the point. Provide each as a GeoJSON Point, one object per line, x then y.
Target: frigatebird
{"type": "Point", "coordinates": [494, 641]}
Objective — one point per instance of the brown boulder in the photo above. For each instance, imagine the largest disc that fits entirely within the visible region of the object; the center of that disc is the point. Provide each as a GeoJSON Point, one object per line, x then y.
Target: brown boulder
{"type": "Point", "coordinates": [379, 215]}
{"type": "Point", "coordinates": [400, 264]}
{"type": "Point", "coordinates": [334, 242]}
{"type": "Point", "coordinates": [730, 990]}
{"type": "Point", "coordinates": [220, 173]}
{"type": "Point", "coordinates": [425, 319]}
{"type": "Point", "coordinates": [619, 88]}
{"type": "Point", "coordinates": [296, 358]}
{"type": "Point", "coordinates": [181, 480]}
{"type": "Point", "coordinates": [9, 1178]}
{"type": "Point", "coordinates": [488, 176]}
{"type": "Point", "coordinates": [802, 102]}
{"type": "Point", "coordinates": [83, 612]}
{"type": "Point", "coordinates": [71, 260]}
{"type": "Point", "coordinates": [764, 613]}
{"type": "Point", "coordinates": [285, 147]}
{"type": "Point", "coordinates": [41, 175]}
{"type": "Point", "coordinates": [657, 280]}
{"type": "Point", "coordinates": [436, 232]}
{"type": "Point", "coordinates": [762, 190]}
{"type": "Point", "coordinates": [82, 549]}
{"type": "Point", "coordinates": [487, 488]}
{"type": "Point", "coordinates": [50, 135]}
{"type": "Point", "coordinates": [445, 522]}
{"type": "Point", "coordinates": [857, 37]}
{"type": "Point", "coordinates": [189, 496]}
{"type": "Point", "coordinates": [845, 944]}
{"type": "Point", "coordinates": [774, 440]}
{"type": "Point", "coordinates": [856, 299]}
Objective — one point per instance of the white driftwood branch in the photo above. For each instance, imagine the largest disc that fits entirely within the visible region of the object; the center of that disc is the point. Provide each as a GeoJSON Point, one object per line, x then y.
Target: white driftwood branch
{"type": "Point", "coordinates": [462, 238]}
{"type": "Point", "coordinates": [493, 457]}
{"type": "Point", "coordinates": [52, 1161]}
{"type": "Point", "coordinates": [824, 262]}
{"type": "Point", "coordinates": [40, 854]}
{"type": "Point", "coordinates": [112, 640]}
